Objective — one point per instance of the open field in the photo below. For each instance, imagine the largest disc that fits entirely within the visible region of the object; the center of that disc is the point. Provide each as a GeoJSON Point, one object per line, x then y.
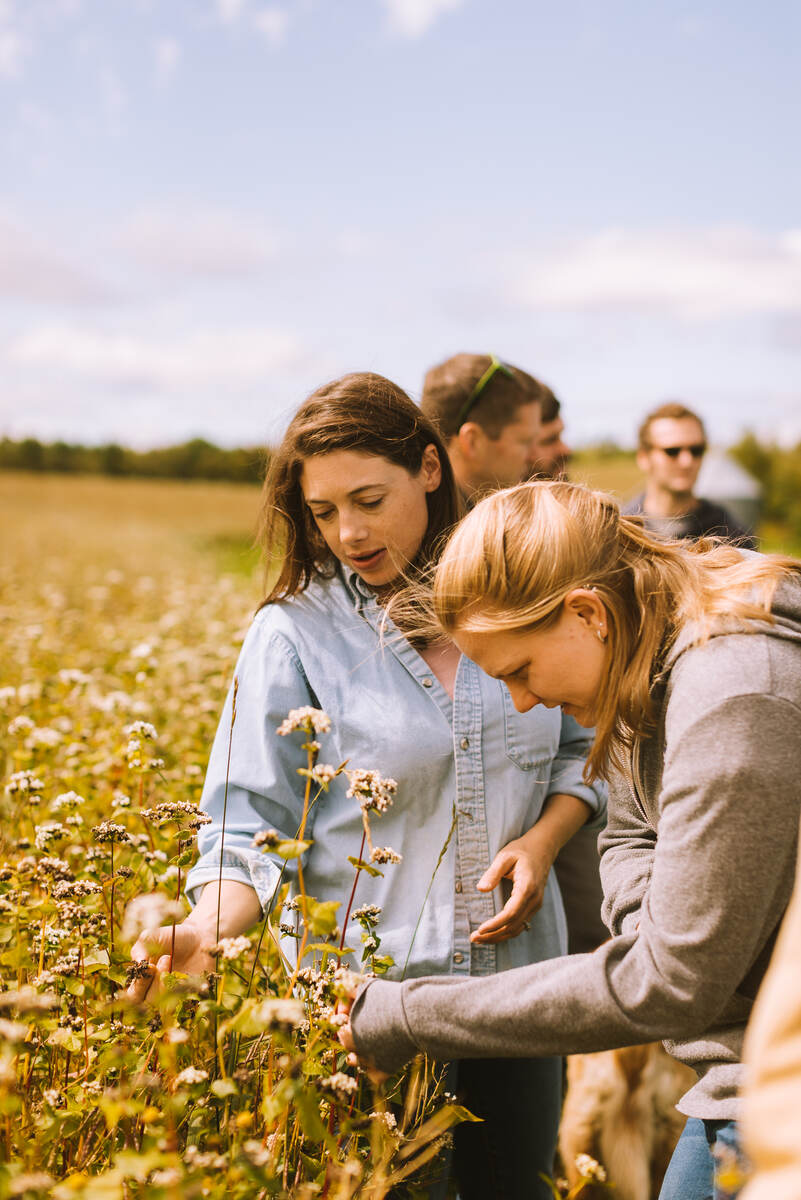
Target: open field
{"type": "Point", "coordinates": [122, 608]}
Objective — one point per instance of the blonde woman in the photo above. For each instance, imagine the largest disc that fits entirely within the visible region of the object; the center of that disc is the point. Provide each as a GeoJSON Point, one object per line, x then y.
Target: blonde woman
{"type": "Point", "coordinates": [688, 662]}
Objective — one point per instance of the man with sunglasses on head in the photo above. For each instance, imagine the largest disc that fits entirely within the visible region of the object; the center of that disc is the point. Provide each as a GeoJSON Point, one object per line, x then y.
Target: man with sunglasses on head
{"type": "Point", "coordinates": [671, 446]}
{"type": "Point", "coordinates": [488, 413]}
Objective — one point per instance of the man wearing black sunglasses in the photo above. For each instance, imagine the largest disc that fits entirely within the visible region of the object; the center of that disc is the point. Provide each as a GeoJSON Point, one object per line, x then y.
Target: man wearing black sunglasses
{"type": "Point", "coordinates": [671, 447]}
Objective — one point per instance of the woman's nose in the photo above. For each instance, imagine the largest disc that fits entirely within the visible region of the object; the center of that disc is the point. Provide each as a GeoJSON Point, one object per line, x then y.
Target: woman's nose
{"type": "Point", "coordinates": [351, 528]}
{"type": "Point", "coordinates": [522, 698]}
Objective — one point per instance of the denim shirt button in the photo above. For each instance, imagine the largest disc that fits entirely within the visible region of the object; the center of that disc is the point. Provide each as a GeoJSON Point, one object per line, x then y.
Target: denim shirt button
{"type": "Point", "coordinates": [458, 956]}
{"type": "Point", "coordinates": [458, 885]}
{"type": "Point", "coordinates": [465, 743]}
{"type": "Point", "coordinates": [428, 681]}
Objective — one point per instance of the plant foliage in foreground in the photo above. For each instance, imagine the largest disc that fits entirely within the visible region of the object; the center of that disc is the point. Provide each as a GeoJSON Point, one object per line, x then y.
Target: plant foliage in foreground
{"type": "Point", "coordinates": [232, 1086]}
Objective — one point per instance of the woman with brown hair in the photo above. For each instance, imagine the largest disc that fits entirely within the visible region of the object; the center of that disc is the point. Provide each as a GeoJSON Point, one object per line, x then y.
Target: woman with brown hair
{"type": "Point", "coordinates": [357, 501]}
{"type": "Point", "coordinates": [688, 663]}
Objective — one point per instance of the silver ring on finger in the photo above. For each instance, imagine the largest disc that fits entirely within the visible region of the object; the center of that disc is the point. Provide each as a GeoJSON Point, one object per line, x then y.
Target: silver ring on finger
{"type": "Point", "coordinates": [527, 925]}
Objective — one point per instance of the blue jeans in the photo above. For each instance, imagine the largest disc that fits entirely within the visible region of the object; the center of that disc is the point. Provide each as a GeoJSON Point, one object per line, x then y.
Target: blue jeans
{"type": "Point", "coordinates": [698, 1168]}
{"type": "Point", "coordinates": [519, 1100]}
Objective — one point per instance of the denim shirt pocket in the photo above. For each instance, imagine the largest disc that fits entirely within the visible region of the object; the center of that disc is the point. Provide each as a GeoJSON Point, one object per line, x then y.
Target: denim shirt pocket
{"type": "Point", "coordinates": [529, 743]}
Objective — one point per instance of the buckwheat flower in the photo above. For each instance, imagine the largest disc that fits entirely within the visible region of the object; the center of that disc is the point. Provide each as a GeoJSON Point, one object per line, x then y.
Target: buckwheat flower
{"type": "Point", "coordinates": [44, 736]}
{"type": "Point", "coordinates": [267, 838]}
{"type": "Point", "coordinates": [109, 831]}
{"type": "Point", "coordinates": [23, 782]}
{"type": "Point", "coordinates": [323, 773]}
{"type": "Point", "coordinates": [77, 887]}
{"type": "Point", "coordinates": [55, 867]}
{"type": "Point", "coordinates": [589, 1168]}
{"type": "Point", "coordinates": [68, 801]}
{"type": "Point", "coordinates": [53, 1097]}
{"type": "Point", "coordinates": [74, 819]}
{"type": "Point", "coordinates": [385, 854]}
{"type": "Point", "coordinates": [20, 726]}
{"type": "Point", "coordinates": [310, 720]}
{"type": "Point", "coordinates": [50, 832]}
{"type": "Point", "coordinates": [340, 1085]}
{"type": "Point", "coordinates": [373, 792]}
{"type": "Point", "coordinates": [368, 912]}
{"type": "Point", "coordinates": [191, 1075]}
{"type": "Point", "coordinates": [7, 694]}
{"type": "Point", "coordinates": [120, 799]}
{"type": "Point", "coordinates": [167, 1177]}
{"type": "Point", "coordinates": [386, 1118]}
{"type": "Point", "coordinates": [13, 1031]}
{"type": "Point", "coordinates": [140, 729]}
{"type": "Point", "coordinates": [257, 1154]}
{"type": "Point", "coordinates": [230, 948]}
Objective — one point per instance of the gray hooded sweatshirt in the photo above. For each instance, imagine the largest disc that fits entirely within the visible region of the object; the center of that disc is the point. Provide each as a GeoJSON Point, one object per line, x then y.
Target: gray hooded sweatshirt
{"type": "Point", "coordinates": [698, 862]}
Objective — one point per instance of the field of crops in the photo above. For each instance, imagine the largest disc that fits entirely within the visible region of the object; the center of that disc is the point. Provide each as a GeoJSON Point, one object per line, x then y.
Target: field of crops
{"type": "Point", "coordinates": [122, 608]}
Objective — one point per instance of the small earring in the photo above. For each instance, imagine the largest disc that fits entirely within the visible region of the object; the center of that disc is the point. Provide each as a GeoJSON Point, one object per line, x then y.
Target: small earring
{"type": "Point", "coordinates": [601, 636]}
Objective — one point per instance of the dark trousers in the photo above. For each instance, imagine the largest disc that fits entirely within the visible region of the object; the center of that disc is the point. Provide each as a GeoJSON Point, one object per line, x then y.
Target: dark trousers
{"type": "Point", "coordinates": [519, 1100]}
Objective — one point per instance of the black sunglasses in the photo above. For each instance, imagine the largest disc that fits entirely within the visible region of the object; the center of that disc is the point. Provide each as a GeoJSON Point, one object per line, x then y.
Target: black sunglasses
{"type": "Point", "coordinates": [475, 395]}
{"type": "Point", "coordinates": [698, 450]}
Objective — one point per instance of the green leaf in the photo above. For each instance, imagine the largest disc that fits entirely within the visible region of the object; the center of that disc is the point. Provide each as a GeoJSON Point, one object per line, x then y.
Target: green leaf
{"type": "Point", "coordinates": [68, 1039]}
{"type": "Point", "coordinates": [290, 848]}
{"type": "Point", "coordinates": [361, 865]}
{"type": "Point", "coordinates": [321, 916]}
{"type": "Point", "coordinates": [95, 960]}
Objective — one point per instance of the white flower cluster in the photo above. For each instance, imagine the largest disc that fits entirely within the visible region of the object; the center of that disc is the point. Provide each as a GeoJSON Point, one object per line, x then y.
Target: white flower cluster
{"type": "Point", "coordinates": [190, 1075]}
{"type": "Point", "coordinates": [373, 792]}
{"type": "Point", "coordinates": [341, 1085]}
{"type": "Point", "coordinates": [385, 854]}
{"type": "Point", "coordinates": [67, 800]}
{"type": "Point", "coordinates": [23, 782]}
{"type": "Point", "coordinates": [20, 726]}
{"type": "Point", "coordinates": [323, 773]}
{"type": "Point", "coordinates": [232, 947]}
{"type": "Point", "coordinates": [589, 1168]}
{"type": "Point", "coordinates": [310, 720]}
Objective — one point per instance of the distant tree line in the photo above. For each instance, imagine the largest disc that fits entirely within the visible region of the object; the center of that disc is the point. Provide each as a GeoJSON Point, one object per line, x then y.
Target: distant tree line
{"type": "Point", "coordinates": [778, 469]}
{"type": "Point", "coordinates": [195, 459]}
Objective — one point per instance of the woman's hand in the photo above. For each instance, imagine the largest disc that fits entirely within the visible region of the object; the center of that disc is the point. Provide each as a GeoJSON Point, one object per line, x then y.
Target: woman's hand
{"type": "Point", "coordinates": [526, 861]}
{"type": "Point", "coordinates": [345, 1035]}
{"type": "Point", "coordinates": [154, 947]}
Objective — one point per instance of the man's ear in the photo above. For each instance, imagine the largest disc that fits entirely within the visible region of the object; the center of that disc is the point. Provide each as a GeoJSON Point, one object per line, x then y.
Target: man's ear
{"type": "Point", "coordinates": [471, 440]}
{"type": "Point", "coordinates": [643, 461]}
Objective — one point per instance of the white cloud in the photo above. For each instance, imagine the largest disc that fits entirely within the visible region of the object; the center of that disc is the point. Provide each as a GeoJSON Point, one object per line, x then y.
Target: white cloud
{"type": "Point", "coordinates": [200, 359]}
{"type": "Point", "coordinates": [37, 273]}
{"type": "Point", "coordinates": [197, 243]}
{"type": "Point", "coordinates": [697, 275]}
{"type": "Point", "coordinates": [229, 11]}
{"type": "Point", "coordinates": [14, 50]}
{"type": "Point", "coordinates": [272, 23]}
{"type": "Point", "coordinates": [412, 18]}
{"type": "Point", "coordinates": [167, 53]}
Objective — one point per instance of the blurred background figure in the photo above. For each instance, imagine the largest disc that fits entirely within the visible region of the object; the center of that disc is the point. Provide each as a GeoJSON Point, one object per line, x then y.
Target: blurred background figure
{"type": "Point", "coordinates": [553, 454]}
{"type": "Point", "coordinates": [488, 413]}
{"type": "Point", "coordinates": [671, 444]}
{"type": "Point", "coordinates": [502, 426]}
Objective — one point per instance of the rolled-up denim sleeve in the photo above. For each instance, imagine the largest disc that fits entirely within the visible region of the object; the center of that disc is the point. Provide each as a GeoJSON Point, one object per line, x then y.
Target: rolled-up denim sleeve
{"type": "Point", "coordinates": [567, 771]}
{"type": "Point", "coordinates": [256, 786]}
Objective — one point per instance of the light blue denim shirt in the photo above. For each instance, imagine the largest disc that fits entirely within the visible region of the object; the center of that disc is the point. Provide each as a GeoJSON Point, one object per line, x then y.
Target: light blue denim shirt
{"type": "Point", "coordinates": [474, 757]}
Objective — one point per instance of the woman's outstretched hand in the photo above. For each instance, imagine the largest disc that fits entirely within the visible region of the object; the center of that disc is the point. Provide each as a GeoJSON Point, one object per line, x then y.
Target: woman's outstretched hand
{"type": "Point", "coordinates": [526, 861]}
{"type": "Point", "coordinates": [154, 947]}
{"type": "Point", "coordinates": [345, 1035]}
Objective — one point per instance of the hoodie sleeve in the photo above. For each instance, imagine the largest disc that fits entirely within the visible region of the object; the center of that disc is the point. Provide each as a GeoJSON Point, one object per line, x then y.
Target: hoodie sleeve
{"type": "Point", "coordinates": [719, 874]}
{"type": "Point", "coordinates": [627, 847]}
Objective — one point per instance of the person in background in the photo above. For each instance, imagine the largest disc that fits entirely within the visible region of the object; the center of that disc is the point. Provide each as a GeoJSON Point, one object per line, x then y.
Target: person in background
{"type": "Point", "coordinates": [772, 1095]}
{"type": "Point", "coordinates": [671, 444]}
{"type": "Point", "coordinates": [553, 454]}
{"type": "Point", "coordinates": [501, 426]}
{"type": "Point", "coordinates": [488, 414]}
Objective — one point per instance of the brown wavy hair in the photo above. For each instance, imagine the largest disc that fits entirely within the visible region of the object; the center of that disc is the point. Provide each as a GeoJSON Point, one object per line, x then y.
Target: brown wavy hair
{"type": "Point", "coordinates": [517, 555]}
{"type": "Point", "coordinates": [362, 412]}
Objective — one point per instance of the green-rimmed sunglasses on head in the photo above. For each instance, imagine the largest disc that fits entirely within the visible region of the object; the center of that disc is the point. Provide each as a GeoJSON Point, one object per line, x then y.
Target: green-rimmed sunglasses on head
{"type": "Point", "coordinates": [495, 366]}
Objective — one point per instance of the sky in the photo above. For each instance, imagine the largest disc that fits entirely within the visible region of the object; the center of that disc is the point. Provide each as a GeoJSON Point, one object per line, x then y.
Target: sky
{"type": "Point", "coordinates": [210, 207]}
